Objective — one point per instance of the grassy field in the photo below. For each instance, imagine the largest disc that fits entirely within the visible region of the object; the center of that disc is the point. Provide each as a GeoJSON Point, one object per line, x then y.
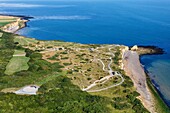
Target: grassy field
{"type": "Point", "coordinates": [25, 41]}
{"type": "Point", "coordinates": [49, 78]}
{"type": "Point", "coordinates": [6, 20]}
{"type": "Point", "coordinates": [3, 23]}
{"type": "Point", "coordinates": [16, 64]}
{"type": "Point", "coordinates": [19, 52]}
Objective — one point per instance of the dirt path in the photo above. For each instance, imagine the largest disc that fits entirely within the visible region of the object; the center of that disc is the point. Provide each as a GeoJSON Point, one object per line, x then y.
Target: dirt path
{"type": "Point", "coordinates": [106, 78]}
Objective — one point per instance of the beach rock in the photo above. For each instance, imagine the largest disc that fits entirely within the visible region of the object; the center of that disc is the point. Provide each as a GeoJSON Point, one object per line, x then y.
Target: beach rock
{"type": "Point", "coordinates": [149, 50]}
{"type": "Point", "coordinates": [134, 48]}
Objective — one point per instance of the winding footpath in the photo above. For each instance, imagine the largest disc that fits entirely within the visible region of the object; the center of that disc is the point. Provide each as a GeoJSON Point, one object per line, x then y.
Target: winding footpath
{"type": "Point", "coordinates": [105, 79]}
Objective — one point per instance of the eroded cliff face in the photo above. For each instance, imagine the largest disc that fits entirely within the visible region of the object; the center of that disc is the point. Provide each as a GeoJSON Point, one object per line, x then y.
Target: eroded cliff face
{"type": "Point", "coordinates": [14, 26]}
{"type": "Point", "coordinates": [136, 72]}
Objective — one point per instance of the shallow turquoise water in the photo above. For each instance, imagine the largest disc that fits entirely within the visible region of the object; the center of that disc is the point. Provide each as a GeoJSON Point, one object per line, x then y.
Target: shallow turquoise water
{"type": "Point", "coordinates": [160, 67]}
{"type": "Point", "coordinates": [129, 22]}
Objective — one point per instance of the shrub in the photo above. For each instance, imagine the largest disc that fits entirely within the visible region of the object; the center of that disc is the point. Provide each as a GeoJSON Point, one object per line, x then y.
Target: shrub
{"type": "Point", "coordinates": [89, 78]}
{"type": "Point", "coordinates": [67, 64]}
{"type": "Point", "coordinates": [52, 58]}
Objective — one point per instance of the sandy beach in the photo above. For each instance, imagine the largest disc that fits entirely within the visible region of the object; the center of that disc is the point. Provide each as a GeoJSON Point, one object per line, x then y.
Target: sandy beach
{"type": "Point", "coordinates": [135, 71]}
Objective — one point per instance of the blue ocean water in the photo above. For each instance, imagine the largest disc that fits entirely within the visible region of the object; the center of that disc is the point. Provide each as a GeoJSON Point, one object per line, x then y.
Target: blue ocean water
{"type": "Point", "coordinates": [128, 22]}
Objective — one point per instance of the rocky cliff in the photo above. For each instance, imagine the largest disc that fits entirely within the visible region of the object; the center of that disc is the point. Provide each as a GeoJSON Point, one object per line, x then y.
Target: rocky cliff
{"type": "Point", "coordinates": [14, 26]}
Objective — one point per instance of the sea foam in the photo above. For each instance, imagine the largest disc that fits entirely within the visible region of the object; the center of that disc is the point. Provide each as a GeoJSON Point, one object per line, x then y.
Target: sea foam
{"type": "Point", "coordinates": [19, 5]}
{"type": "Point", "coordinates": [23, 5]}
{"type": "Point", "coordinates": [73, 17]}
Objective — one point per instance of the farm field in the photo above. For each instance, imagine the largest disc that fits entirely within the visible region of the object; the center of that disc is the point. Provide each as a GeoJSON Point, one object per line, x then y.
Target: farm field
{"type": "Point", "coordinates": [6, 20]}
{"type": "Point", "coordinates": [17, 63]}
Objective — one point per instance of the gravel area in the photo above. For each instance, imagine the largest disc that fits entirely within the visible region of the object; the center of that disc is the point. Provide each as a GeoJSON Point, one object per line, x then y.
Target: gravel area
{"type": "Point", "coordinates": [28, 90]}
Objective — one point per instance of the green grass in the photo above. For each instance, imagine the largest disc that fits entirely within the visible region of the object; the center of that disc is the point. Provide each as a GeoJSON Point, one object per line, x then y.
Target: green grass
{"type": "Point", "coordinates": [24, 41]}
{"type": "Point", "coordinates": [16, 64]}
{"type": "Point", "coordinates": [8, 19]}
{"type": "Point", "coordinates": [50, 77]}
{"type": "Point", "coordinates": [3, 23]}
{"type": "Point", "coordinates": [19, 52]}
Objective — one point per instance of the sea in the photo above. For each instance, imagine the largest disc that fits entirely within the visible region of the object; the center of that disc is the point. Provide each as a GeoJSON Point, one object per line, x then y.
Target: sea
{"type": "Point", "coordinates": [124, 22]}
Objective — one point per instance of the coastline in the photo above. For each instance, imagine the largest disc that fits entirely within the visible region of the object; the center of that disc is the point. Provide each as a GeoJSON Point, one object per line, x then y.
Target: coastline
{"type": "Point", "coordinates": [140, 77]}
{"type": "Point", "coordinates": [154, 88]}
{"type": "Point", "coordinates": [19, 23]}
{"type": "Point", "coordinates": [19, 16]}
{"type": "Point", "coordinates": [135, 71]}
{"type": "Point", "coordinates": [150, 86]}
{"type": "Point", "coordinates": [160, 103]}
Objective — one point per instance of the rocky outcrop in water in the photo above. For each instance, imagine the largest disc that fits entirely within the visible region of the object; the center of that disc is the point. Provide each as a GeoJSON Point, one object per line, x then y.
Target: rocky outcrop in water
{"type": "Point", "coordinates": [147, 50]}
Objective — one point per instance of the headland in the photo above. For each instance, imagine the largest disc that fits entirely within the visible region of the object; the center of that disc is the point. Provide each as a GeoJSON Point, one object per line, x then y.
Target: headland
{"type": "Point", "coordinates": [117, 60]}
